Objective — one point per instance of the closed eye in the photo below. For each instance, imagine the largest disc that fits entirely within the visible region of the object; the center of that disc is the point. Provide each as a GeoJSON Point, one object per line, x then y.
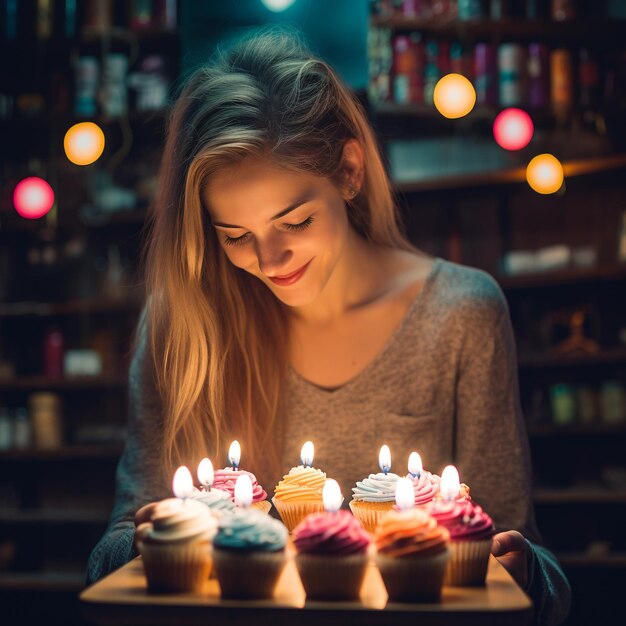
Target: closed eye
{"type": "Point", "coordinates": [237, 241]}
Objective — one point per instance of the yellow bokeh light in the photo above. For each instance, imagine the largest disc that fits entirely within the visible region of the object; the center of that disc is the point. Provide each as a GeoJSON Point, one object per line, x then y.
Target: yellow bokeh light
{"type": "Point", "coordinates": [545, 173]}
{"type": "Point", "coordinates": [454, 96]}
{"type": "Point", "coordinates": [84, 143]}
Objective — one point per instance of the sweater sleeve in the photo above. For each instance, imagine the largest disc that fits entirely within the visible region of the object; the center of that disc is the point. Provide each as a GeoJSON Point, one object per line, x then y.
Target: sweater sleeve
{"type": "Point", "coordinates": [492, 451]}
{"type": "Point", "coordinates": [137, 480]}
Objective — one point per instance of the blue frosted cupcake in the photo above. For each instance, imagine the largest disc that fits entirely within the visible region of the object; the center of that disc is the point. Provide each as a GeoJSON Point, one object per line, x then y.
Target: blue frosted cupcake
{"type": "Point", "coordinates": [372, 498]}
{"type": "Point", "coordinates": [249, 553]}
{"type": "Point", "coordinates": [217, 500]}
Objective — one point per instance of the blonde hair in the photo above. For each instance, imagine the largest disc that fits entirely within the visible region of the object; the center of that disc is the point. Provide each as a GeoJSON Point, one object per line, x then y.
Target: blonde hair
{"type": "Point", "coordinates": [216, 333]}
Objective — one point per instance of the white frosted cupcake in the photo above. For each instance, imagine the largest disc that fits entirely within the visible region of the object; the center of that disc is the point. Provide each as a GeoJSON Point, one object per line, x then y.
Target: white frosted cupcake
{"type": "Point", "coordinates": [373, 497]}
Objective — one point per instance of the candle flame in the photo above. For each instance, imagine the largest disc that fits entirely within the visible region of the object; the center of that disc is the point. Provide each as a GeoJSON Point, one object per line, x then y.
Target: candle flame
{"type": "Point", "coordinates": [243, 491]}
{"type": "Point", "coordinates": [306, 455]}
{"type": "Point", "coordinates": [331, 495]}
{"type": "Point", "coordinates": [450, 485]}
{"type": "Point", "coordinates": [234, 454]}
{"type": "Point", "coordinates": [182, 485]}
{"type": "Point", "coordinates": [206, 473]}
{"type": "Point", "coordinates": [405, 496]}
{"type": "Point", "coordinates": [415, 464]}
{"type": "Point", "coordinates": [384, 459]}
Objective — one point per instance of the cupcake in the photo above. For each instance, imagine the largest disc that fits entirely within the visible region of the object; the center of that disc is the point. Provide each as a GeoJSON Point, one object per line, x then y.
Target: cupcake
{"type": "Point", "coordinates": [425, 486]}
{"type": "Point", "coordinates": [176, 546]}
{"type": "Point", "coordinates": [372, 498]}
{"type": "Point", "coordinates": [226, 478]}
{"type": "Point", "coordinates": [331, 555]}
{"type": "Point", "coordinates": [471, 530]}
{"type": "Point", "coordinates": [298, 494]}
{"type": "Point", "coordinates": [249, 553]}
{"type": "Point", "coordinates": [412, 554]}
{"type": "Point", "coordinates": [217, 500]}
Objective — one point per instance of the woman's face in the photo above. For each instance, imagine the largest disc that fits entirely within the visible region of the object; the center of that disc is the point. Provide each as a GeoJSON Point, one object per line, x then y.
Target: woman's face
{"type": "Point", "coordinates": [288, 229]}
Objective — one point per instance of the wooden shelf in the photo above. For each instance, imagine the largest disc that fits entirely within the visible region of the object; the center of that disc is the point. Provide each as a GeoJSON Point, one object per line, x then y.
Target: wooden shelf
{"type": "Point", "coordinates": [582, 560]}
{"type": "Point", "coordinates": [599, 31]}
{"type": "Point", "coordinates": [59, 581]}
{"type": "Point", "coordinates": [570, 276]}
{"type": "Point", "coordinates": [60, 384]}
{"type": "Point", "coordinates": [597, 495]}
{"type": "Point", "coordinates": [576, 430]}
{"type": "Point", "coordinates": [71, 307]}
{"type": "Point", "coordinates": [64, 453]}
{"type": "Point", "coordinates": [38, 517]}
{"type": "Point", "coordinates": [579, 167]}
{"type": "Point", "coordinates": [615, 356]}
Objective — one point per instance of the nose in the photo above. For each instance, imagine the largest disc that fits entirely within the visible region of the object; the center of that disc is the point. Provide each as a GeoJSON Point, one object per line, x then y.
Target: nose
{"type": "Point", "coordinates": [273, 257]}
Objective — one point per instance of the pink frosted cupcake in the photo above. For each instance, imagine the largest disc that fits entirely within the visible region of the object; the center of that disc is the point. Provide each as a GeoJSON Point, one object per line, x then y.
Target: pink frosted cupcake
{"type": "Point", "coordinates": [226, 478]}
{"type": "Point", "coordinates": [471, 530]}
{"type": "Point", "coordinates": [425, 486]}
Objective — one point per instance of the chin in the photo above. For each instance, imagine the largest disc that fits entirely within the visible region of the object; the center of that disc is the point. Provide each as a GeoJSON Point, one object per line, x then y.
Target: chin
{"type": "Point", "coordinates": [292, 296]}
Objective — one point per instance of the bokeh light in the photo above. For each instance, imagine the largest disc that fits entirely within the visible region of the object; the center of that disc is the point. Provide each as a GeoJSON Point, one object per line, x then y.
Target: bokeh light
{"type": "Point", "coordinates": [454, 96]}
{"type": "Point", "coordinates": [545, 173]}
{"type": "Point", "coordinates": [33, 197]}
{"type": "Point", "coordinates": [84, 143]}
{"type": "Point", "coordinates": [513, 129]}
{"type": "Point", "coordinates": [277, 5]}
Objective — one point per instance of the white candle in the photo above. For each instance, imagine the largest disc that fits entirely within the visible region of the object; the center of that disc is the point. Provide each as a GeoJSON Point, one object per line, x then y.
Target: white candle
{"type": "Point", "coordinates": [384, 459]}
{"type": "Point", "coordinates": [206, 473]}
{"type": "Point", "coordinates": [306, 454]}
{"type": "Point", "coordinates": [405, 496]}
{"type": "Point", "coordinates": [243, 491]}
{"type": "Point", "coordinates": [331, 495]}
{"type": "Point", "coordinates": [450, 485]}
{"type": "Point", "coordinates": [234, 454]}
{"type": "Point", "coordinates": [415, 465]}
{"type": "Point", "coordinates": [182, 484]}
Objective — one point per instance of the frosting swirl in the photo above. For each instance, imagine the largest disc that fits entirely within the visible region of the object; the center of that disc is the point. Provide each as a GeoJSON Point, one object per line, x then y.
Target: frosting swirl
{"type": "Point", "coordinates": [175, 521]}
{"type": "Point", "coordinates": [379, 487]}
{"type": "Point", "coordinates": [250, 530]}
{"type": "Point", "coordinates": [410, 533]}
{"type": "Point", "coordinates": [465, 520]}
{"type": "Point", "coordinates": [226, 478]}
{"type": "Point", "coordinates": [301, 484]}
{"type": "Point", "coordinates": [426, 487]}
{"type": "Point", "coordinates": [216, 499]}
{"type": "Point", "coordinates": [336, 534]}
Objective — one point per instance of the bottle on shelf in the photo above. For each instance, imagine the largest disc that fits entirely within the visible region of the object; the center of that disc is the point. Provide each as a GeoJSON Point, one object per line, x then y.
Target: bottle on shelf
{"type": "Point", "coordinates": [538, 70]}
{"type": "Point", "coordinates": [561, 74]}
{"type": "Point", "coordinates": [53, 353]}
{"type": "Point", "coordinates": [511, 62]}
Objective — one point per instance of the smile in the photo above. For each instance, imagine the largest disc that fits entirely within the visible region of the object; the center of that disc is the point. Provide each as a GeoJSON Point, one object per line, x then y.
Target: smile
{"type": "Point", "coordinates": [290, 279]}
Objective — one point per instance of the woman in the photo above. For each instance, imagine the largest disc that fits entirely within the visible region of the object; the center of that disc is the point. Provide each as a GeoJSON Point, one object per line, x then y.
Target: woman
{"type": "Point", "coordinates": [285, 304]}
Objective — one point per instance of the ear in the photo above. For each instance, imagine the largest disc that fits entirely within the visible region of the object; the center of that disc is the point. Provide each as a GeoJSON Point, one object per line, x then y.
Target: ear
{"type": "Point", "coordinates": [352, 166]}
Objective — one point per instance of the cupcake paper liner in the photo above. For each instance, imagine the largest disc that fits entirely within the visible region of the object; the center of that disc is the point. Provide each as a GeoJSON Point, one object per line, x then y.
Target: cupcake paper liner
{"type": "Point", "coordinates": [248, 574]}
{"type": "Point", "coordinates": [292, 513]}
{"type": "Point", "coordinates": [468, 565]}
{"type": "Point", "coordinates": [369, 518]}
{"type": "Point", "coordinates": [181, 567]}
{"type": "Point", "coordinates": [262, 505]}
{"type": "Point", "coordinates": [414, 578]}
{"type": "Point", "coordinates": [327, 577]}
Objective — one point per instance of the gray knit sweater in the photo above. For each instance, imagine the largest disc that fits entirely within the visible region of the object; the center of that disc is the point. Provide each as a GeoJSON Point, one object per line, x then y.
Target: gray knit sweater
{"type": "Point", "coordinates": [445, 385]}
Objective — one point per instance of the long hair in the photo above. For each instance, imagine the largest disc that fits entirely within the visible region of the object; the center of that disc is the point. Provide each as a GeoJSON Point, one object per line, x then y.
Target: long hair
{"type": "Point", "coordinates": [216, 333]}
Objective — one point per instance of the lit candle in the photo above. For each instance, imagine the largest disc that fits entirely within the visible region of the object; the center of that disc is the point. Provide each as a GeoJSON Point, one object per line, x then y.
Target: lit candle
{"type": "Point", "coordinates": [206, 474]}
{"type": "Point", "coordinates": [234, 454]}
{"type": "Point", "coordinates": [415, 465]}
{"type": "Point", "coordinates": [306, 454]}
{"type": "Point", "coordinates": [384, 459]}
{"type": "Point", "coordinates": [243, 491]}
{"type": "Point", "coordinates": [331, 495]}
{"type": "Point", "coordinates": [450, 485]}
{"type": "Point", "coordinates": [182, 485]}
{"type": "Point", "coordinates": [405, 496]}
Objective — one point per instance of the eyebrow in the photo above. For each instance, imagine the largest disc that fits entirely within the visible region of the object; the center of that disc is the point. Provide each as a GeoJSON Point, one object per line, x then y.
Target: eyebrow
{"type": "Point", "coordinates": [303, 200]}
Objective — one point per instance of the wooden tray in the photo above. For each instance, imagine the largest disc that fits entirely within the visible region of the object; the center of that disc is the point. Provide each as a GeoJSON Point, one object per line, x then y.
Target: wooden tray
{"type": "Point", "coordinates": [122, 598]}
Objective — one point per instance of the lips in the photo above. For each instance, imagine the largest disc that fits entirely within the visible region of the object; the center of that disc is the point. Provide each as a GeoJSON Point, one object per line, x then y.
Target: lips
{"type": "Point", "coordinates": [289, 279]}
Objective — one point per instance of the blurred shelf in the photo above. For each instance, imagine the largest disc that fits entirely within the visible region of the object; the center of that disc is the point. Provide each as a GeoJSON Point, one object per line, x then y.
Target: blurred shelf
{"type": "Point", "coordinates": [597, 495]}
{"type": "Point", "coordinates": [64, 453]}
{"type": "Point", "coordinates": [569, 276]}
{"type": "Point", "coordinates": [549, 431]}
{"type": "Point", "coordinates": [43, 581]}
{"type": "Point", "coordinates": [578, 167]}
{"type": "Point", "coordinates": [70, 307]}
{"type": "Point", "coordinates": [60, 384]}
{"type": "Point", "coordinates": [599, 30]}
{"type": "Point", "coordinates": [615, 356]}
{"type": "Point", "coordinates": [582, 560]}
{"type": "Point", "coordinates": [54, 516]}
{"type": "Point", "coordinates": [149, 33]}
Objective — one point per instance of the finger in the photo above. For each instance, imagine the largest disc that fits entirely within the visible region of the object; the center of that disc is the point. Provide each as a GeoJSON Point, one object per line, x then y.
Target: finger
{"type": "Point", "coordinates": [144, 513]}
{"type": "Point", "coordinates": [510, 541]}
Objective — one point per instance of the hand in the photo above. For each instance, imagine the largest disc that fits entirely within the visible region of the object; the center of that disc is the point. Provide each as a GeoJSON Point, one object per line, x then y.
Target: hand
{"type": "Point", "coordinates": [511, 550]}
{"type": "Point", "coordinates": [142, 519]}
